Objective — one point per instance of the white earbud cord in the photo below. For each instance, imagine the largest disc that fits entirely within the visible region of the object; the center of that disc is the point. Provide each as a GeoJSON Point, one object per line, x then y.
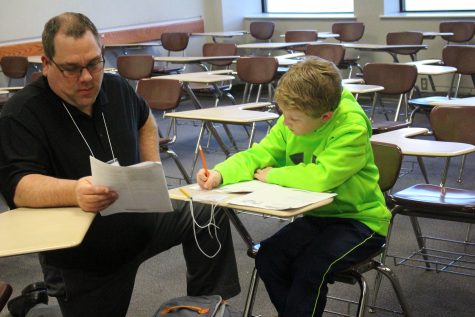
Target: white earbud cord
{"type": "Point", "coordinates": [211, 223]}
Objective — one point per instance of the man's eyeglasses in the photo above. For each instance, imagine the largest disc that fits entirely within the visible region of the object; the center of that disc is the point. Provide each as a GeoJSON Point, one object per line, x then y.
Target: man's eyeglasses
{"type": "Point", "coordinates": [75, 71]}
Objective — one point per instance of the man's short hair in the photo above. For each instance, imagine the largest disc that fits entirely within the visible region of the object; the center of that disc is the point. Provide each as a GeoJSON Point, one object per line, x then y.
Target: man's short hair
{"type": "Point", "coordinates": [72, 24]}
{"type": "Point", "coordinates": [312, 86]}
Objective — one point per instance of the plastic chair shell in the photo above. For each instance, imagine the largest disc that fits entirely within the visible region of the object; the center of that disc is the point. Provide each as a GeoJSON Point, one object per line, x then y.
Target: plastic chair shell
{"type": "Point", "coordinates": [262, 30]}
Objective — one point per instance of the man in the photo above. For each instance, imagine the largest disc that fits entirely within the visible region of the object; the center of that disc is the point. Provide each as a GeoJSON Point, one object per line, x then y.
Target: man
{"type": "Point", "coordinates": [48, 131]}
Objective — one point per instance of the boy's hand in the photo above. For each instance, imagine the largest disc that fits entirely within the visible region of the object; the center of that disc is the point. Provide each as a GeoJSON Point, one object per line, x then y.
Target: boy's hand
{"type": "Point", "coordinates": [261, 174]}
{"type": "Point", "coordinates": [211, 181]}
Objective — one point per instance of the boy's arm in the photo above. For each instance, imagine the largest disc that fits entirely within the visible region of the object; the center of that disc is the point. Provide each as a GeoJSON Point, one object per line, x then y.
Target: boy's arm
{"type": "Point", "coordinates": [269, 152]}
{"type": "Point", "coordinates": [346, 154]}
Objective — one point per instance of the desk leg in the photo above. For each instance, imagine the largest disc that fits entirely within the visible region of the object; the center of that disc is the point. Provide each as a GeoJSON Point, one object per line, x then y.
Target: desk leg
{"type": "Point", "coordinates": [230, 136]}
{"type": "Point", "coordinates": [195, 157]}
{"type": "Point", "coordinates": [251, 136]}
{"type": "Point", "coordinates": [423, 169]}
{"type": "Point", "coordinates": [192, 95]}
{"type": "Point", "coordinates": [212, 130]}
{"type": "Point", "coordinates": [241, 229]}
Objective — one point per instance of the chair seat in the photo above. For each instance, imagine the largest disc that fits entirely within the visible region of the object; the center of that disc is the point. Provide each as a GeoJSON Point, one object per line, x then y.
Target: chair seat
{"type": "Point", "coordinates": [385, 126]}
{"type": "Point", "coordinates": [426, 200]}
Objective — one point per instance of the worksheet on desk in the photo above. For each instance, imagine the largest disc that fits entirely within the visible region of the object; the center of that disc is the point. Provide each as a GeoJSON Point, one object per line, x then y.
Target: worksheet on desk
{"type": "Point", "coordinates": [141, 187]}
{"type": "Point", "coordinates": [271, 196]}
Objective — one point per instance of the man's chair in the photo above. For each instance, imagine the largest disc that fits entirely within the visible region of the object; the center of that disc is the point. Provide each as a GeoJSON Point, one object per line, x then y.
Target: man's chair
{"type": "Point", "coordinates": [5, 293]}
{"type": "Point", "coordinates": [439, 202]}
{"type": "Point", "coordinates": [256, 70]}
{"type": "Point", "coordinates": [330, 52]}
{"type": "Point", "coordinates": [463, 31]}
{"type": "Point", "coordinates": [388, 158]}
{"type": "Point", "coordinates": [300, 36]}
{"type": "Point", "coordinates": [135, 67]}
{"type": "Point", "coordinates": [349, 32]}
{"type": "Point", "coordinates": [164, 95]}
{"type": "Point", "coordinates": [262, 30]}
{"type": "Point", "coordinates": [404, 38]}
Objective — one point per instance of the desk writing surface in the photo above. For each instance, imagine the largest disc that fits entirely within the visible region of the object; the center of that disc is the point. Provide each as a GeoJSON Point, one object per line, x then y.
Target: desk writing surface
{"type": "Point", "coordinates": [418, 147]}
{"type": "Point", "coordinates": [275, 45]}
{"type": "Point", "coordinates": [423, 69]}
{"type": "Point", "coordinates": [28, 230]}
{"type": "Point", "coordinates": [469, 101]}
{"type": "Point", "coordinates": [35, 59]}
{"type": "Point", "coordinates": [176, 194]}
{"type": "Point", "coordinates": [225, 114]}
{"type": "Point", "coordinates": [204, 77]}
{"type": "Point", "coordinates": [192, 59]}
{"type": "Point", "coordinates": [12, 88]}
{"type": "Point", "coordinates": [362, 88]}
{"type": "Point", "coordinates": [221, 34]}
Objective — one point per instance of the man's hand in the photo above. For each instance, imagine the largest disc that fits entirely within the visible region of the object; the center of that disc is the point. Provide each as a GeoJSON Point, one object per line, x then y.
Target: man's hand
{"type": "Point", "coordinates": [211, 181]}
{"type": "Point", "coordinates": [261, 174]}
{"type": "Point", "coordinates": [93, 198]}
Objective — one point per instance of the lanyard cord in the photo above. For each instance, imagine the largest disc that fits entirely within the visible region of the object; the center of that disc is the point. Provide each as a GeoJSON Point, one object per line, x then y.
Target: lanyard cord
{"type": "Point", "coordinates": [85, 141]}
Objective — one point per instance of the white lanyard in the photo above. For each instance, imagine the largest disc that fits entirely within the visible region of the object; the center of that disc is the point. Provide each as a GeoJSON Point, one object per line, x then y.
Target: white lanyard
{"type": "Point", "coordinates": [114, 159]}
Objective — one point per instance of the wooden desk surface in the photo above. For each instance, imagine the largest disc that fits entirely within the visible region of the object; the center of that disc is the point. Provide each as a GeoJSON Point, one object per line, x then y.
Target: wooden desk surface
{"type": "Point", "coordinates": [36, 59]}
{"type": "Point", "coordinates": [154, 43]}
{"type": "Point", "coordinates": [417, 147]}
{"type": "Point", "coordinates": [177, 195]}
{"type": "Point", "coordinates": [12, 88]}
{"type": "Point", "coordinates": [423, 69]}
{"type": "Point", "coordinates": [192, 59]}
{"type": "Point", "coordinates": [199, 77]}
{"type": "Point", "coordinates": [221, 34]}
{"type": "Point", "coordinates": [321, 35]}
{"type": "Point", "coordinates": [274, 45]}
{"type": "Point", "coordinates": [362, 88]}
{"type": "Point", "coordinates": [469, 101]}
{"type": "Point", "coordinates": [27, 230]}
{"type": "Point", "coordinates": [238, 114]}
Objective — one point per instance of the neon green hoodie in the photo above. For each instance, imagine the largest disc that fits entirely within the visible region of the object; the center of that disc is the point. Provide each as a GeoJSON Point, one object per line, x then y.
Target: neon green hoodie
{"type": "Point", "coordinates": [336, 158]}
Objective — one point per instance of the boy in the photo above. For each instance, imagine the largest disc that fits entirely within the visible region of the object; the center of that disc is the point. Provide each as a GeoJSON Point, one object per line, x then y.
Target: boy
{"type": "Point", "coordinates": [320, 143]}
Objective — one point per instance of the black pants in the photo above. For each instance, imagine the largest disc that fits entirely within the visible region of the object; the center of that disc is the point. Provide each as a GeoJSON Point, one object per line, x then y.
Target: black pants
{"type": "Point", "coordinates": [97, 294]}
{"type": "Point", "coordinates": [297, 262]}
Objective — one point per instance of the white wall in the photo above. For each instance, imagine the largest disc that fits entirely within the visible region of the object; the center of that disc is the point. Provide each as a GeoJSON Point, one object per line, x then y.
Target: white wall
{"type": "Point", "coordinates": [24, 19]}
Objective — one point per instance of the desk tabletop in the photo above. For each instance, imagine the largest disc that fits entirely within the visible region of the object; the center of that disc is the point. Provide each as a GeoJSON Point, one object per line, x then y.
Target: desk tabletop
{"type": "Point", "coordinates": [238, 114]}
{"type": "Point", "coordinates": [221, 34]}
{"type": "Point", "coordinates": [199, 77]}
{"type": "Point", "coordinates": [28, 230]}
{"type": "Point", "coordinates": [192, 59]}
{"type": "Point", "coordinates": [321, 35]}
{"type": "Point", "coordinates": [274, 45]}
{"type": "Point", "coordinates": [362, 88]}
{"type": "Point", "coordinates": [469, 101]}
{"type": "Point", "coordinates": [177, 195]}
{"type": "Point", "coordinates": [379, 47]}
{"type": "Point", "coordinates": [417, 147]}
{"type": "Point", "coordinates": [152, 43]}
{"type": "Point", "coordinates": [423, 69]}
{"type": "Point", "coordinates": [34, 59]}
{"type": "Point", "coordinates": [12, 88]}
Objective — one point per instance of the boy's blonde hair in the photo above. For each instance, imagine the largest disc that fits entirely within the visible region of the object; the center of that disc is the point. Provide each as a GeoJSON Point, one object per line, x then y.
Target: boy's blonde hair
{"type": "Point", "coordinates": [312, 86]}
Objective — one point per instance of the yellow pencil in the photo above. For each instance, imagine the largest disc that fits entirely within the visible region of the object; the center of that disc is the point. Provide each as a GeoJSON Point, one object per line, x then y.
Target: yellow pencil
{"type": "Point", "coordinates": [184, 192]}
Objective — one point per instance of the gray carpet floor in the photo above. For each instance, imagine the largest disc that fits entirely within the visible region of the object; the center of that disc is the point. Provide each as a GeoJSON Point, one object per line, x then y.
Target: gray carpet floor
{"type": "Point", "coordinates": [163, 276]}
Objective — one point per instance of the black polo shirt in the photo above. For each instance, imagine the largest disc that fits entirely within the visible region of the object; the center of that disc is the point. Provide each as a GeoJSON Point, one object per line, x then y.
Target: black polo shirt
{"type": "Point", "coordinates": [37, 136]}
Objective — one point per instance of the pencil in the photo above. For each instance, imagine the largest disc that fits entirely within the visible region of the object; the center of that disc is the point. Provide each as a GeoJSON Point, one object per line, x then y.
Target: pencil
{"type": "Point", "coordinates": [203, 161]}
{"type": "Point", "coordinates": [184, 192]}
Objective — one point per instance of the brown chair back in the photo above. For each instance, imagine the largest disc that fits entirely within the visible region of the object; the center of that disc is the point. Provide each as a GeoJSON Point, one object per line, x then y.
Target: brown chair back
{"type": "Point", "coordinates": [461, 57]}
{"type": "Point", "coordinates": [348, 31]}
{"type": "Point", "coordinates": [220, 49]}
{"type": "Point", "coordinates": [300, 36]}
{"type": "Point", "coordinates": [262, 30]}
{"type": "Point", "coordinates": [175, 41]}
{"type": "Point", "coordinates": [395, 78]}
{"type": "Point", "coordinates": [160, 94]}
{"type": "Point", "coordinates": [257, 69]}
{"type": "Point", "coordinates": [330, 52]}
{"type": "Point", "coordinates": [388, 159]}
{"type": "Point", "coordinates": [463, 30]}
{"type": "Point", "coordinates": [135, 67]}
{"type": "Point", "coordinates": [14, 67]}
{"type": "Point", "coordinates": [404, 38]}
{"type": "Point", "coordinates": [453, 123]}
